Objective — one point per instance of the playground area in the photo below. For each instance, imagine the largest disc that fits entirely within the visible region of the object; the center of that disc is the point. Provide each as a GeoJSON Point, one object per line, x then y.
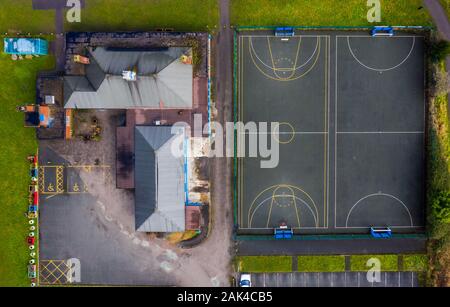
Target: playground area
{"type": "Point", "coordinates": [351, 132]}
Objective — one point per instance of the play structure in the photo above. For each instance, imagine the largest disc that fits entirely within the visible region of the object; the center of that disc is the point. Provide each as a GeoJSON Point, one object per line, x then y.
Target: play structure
{"type": "Point", "coordinates": [25, 46]}
{"type": "Point", "coordinates": [37, 115]}
{"type": "Point", "coordinates": [81, 59]}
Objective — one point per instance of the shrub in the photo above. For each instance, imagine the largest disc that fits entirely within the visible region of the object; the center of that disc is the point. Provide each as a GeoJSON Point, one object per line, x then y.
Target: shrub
{"type": "Point", "coordinates": [441, 206]}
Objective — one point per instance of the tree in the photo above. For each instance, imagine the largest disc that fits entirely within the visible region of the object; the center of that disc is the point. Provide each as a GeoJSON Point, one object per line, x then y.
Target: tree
{"type": "Point", "coordinates": [439, 51]}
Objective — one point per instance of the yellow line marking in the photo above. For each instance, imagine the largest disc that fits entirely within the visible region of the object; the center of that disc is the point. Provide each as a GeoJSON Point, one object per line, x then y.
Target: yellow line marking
{"type": "Point", "coordinates": [292, 135]}
{"type": "Point", "coordinates": [292, 70]}
{"type": "Point", "coordinates": [296, 209]}
{"type": "Point", "coordinates": [325, 137]}
{"type": "Point", "coordinates": [269, 214]}
{"type": "Point", "coordinates": [242, 118]}
{"type": "Point", "coordinates": [285, 186]}
{"type": "Point", "coordinates": [292, 79]}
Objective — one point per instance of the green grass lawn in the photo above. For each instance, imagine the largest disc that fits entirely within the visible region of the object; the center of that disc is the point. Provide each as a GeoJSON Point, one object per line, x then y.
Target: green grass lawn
{"type": "Point", "coordinates": [182, 15]}
{"type": "Point", "coordinates": [438, 180]}
{"type": "Point", "coordinates": [388, 262]}
{"type": "Point", "coordinates": [324, 13]}
{"type": "Point", "coordinates": [321, 263]}
{"type": "Point", "coordinates": [18, 16]}
{"type": "Point", "coordinates": [417, 263]}
{"type": "Point", "coordinates": [17, 86]}
{"type": "Point", "coordinates": [257, 264]}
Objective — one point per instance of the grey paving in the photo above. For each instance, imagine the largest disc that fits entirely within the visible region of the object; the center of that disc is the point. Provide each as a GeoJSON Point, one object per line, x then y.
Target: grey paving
{"type": "Point", "coordinates": [72, 227]}
{"type": "Point", "coordinates": [329, 246]}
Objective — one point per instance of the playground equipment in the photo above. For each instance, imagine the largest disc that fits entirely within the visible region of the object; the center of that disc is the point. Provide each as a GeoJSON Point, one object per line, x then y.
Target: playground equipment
{"type": "Point", "coordinates": [25, 46]}
{"type": "Point", "coordinates": [32, 271]}
{"type": "Point", "coordinates": [81, 59]}
{"type": "Point", "coordinates": [186, 59]}
{"type": "Point", "coordinates": [37, 115]}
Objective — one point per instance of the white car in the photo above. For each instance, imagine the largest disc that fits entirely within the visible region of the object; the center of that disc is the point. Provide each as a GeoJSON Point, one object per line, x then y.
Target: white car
{"type": "Point", "coordinates": [246, 280]}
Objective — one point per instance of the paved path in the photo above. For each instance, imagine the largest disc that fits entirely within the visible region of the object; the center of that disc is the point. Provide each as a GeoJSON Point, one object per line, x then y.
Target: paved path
{"type": "Point", "coordinates": [440, 18]}
{"type": "Point", "coordinates": [338, 279]}
{"type": "Point", "coordinates": [221, 193]}
{"type": "Point", "coordinates": [59, 45]}
{"type": "Point", "coordinates": [329, 247]}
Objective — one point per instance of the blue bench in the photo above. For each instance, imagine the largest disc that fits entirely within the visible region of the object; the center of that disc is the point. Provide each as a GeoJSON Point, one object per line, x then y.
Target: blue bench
{"type": "Point", "coordinates": [281, 234]}
{"type": "Point", "coordinates": [382, 31]}
{"type": "Point", "coordinates": [381, 232]}
{"type": "Point", "coordinates": [284, 32]}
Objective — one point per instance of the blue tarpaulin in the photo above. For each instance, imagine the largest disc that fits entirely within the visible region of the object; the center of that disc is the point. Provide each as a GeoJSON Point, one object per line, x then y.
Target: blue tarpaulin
{"type": "Point", "coordinates": [24, 46]}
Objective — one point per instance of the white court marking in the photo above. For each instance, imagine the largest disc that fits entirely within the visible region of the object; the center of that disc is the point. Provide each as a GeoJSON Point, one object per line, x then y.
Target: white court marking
{"type": "Point", "coordinates": [380, 132]}
{"type": "Point", "coordinates": [380, 194]}
{"type": "Point", "coordinates": [380, 69]}
{"type": "Point", "coordinates": [365, 132]}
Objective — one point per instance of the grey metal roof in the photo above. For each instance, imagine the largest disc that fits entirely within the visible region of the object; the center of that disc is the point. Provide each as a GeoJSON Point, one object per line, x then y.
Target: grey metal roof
{"type": "Point", "coordinates": [163, 81]}
{"type": "Point", "coordinates": [114, 61]}
{"type": "Point", "coordinates": [159, 180]}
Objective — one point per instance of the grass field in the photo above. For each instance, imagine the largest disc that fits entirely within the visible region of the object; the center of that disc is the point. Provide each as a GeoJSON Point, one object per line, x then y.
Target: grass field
{"type": "Point", "coordinates": [258, 264]}
{"type": "Point", "coordinates": [438, 180]}
{"type": "Point", "coordinates": [18, 16]}
{"type": "Point", "coordinates": [17, 86]}
{"type": "Point", "coordinates": [324, 13]}
{"type": "Point", "coordinates": [388, 262]}
{"type": "Point", "coordinates": [321, 263]}
{"type": "Point", "coordinates": [446, 5]}
{"type": "Point", "coordinates": [415, 263]}
{"type": "Point", "coordinates": [131, 15]}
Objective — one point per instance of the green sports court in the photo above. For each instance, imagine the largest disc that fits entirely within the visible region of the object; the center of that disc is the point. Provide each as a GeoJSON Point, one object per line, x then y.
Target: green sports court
{"type": "Point", "coordinates": [351, 132]}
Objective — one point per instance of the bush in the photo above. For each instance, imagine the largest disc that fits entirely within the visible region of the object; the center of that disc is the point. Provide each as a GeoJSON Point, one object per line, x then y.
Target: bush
{"type": "Point", "coordinates": [441, 206]}
{"type": "Point", "coordinates": [439, 51]}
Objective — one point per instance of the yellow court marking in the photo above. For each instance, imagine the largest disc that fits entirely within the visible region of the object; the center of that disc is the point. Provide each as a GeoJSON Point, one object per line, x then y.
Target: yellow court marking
{"type": "Point", "coordinates": [277, 138]}
{"type": "Point", "coordinates": [292, 70]}
{"type": "Point", "coordinates": [242, 141]}
{"type": "Point", "coordinates": [291, 79]}
{"type": "Point", "coordinates": [268, 215]}
{"type": "Point", "coordinates": [273, 200]}
{"type": "Point", "coordinates": [325, 209]}
{"type": "Point", "coordinates": [274, 187]}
